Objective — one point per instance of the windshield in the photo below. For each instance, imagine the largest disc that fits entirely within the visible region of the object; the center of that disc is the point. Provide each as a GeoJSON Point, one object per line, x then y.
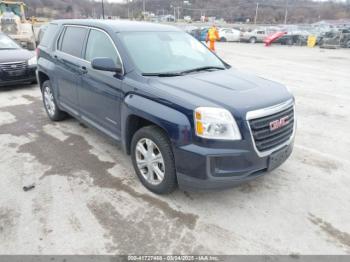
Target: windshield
{"type": "Point", "coordinates": [7, 43]}
{"type": "Point", "coordinates": [164, 52]}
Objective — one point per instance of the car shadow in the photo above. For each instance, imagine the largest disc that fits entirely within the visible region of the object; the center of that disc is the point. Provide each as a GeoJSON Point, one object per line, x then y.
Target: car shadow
{"type": "Point", "coordinates": [18, 87]}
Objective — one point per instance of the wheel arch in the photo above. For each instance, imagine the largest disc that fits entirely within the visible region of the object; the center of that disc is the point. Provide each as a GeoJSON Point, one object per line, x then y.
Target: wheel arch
{"type": "Point", "coordinates": [42, 77]}
{"type": "Point", "coordinates": [138, 111]}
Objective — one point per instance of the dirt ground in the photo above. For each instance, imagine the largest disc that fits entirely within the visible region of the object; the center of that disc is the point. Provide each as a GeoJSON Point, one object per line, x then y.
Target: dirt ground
{"type": "Point", "coordinates": [88, 200]}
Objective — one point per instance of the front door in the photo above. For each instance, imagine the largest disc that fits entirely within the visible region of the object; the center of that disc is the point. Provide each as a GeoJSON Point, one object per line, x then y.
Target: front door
{"type": "Point", "coordinates": [100, 92]}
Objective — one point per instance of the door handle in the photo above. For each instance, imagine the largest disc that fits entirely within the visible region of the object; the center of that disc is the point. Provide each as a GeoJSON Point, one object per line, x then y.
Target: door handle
{"type": "Point", "coordinates": [83, 70]}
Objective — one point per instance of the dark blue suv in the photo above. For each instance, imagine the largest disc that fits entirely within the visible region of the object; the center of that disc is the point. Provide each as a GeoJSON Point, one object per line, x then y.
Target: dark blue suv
{"type": "Point", "coordinates": [185, 116]}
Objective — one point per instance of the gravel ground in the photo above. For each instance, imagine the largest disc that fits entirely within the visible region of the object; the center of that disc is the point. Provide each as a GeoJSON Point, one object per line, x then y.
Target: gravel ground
{"type": "Point", "coordinates": [88, 200]}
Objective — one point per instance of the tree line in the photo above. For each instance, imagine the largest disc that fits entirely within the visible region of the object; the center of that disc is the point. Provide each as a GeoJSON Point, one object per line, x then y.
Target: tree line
{"type": "Point", "coordinates": [264, 11]}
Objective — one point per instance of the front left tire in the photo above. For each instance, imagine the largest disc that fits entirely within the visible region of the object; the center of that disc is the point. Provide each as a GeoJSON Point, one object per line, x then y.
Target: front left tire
{"type": "Point", "coordinates": [153, 160]}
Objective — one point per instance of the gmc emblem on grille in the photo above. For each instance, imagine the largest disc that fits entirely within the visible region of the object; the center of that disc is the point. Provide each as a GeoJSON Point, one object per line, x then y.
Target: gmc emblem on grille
{"type": "Point", "coordinates": [13, 66]}
{"type": "Point", "coordinates": [274, 125]}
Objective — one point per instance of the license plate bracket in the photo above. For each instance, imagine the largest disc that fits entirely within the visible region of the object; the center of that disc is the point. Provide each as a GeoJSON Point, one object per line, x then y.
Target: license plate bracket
{"type": "Point", "coordinates": [16, 73]}
{"type": "Point", "coordinates": [278, 157]}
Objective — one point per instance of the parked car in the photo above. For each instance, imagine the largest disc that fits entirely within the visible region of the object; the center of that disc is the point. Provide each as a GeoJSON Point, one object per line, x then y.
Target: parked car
{"type": "Point", "coordinates": [335, 39]}
{"type": "Point", "coordinates": [17, 65]}
{"type": "Point", "coordinates": [196, 33]}
{"type": "Point", "coordinates": [292, 39]}
{"type": "Point", "coordinates": [203, 34]}
{"type": "Point", "coordinates": [185, 116]}
{"type": "Point", "coordinates": [257, 35]}
{"type": "Point", "coordinates": [229, 35]}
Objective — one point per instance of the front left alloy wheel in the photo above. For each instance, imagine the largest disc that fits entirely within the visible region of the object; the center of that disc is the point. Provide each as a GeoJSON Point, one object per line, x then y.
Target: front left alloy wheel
{"type": "Point", "coordinates": [153, 160]}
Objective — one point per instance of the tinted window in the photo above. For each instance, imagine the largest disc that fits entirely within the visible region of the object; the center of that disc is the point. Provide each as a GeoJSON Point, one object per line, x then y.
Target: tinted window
{"type": "Point", "coordinates": [100, 45]}
{"type": "Point", "coordinates": [73, 40]}
{"type": "Point", "coordinates": [49, 33]}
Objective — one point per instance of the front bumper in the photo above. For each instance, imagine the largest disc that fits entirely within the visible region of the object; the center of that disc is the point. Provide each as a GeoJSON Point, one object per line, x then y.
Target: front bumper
{"type": "Point", "coordinates": [27, 76]}
{"type": "Point", "coordinates": [201, 168]}
{"type": "Point", "coordinates": [214, 164]}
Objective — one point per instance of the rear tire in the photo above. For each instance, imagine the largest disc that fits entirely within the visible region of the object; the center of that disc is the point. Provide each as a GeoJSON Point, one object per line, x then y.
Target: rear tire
{"type": "Point", "coordinates": [153, 160]}
{"type": "Point", "coordinates": [52, 110]}
{"type": "Point", "coordinates": [347, 44]}
{"type": "Point", "coordinates": [223, 39]}
{"type": "Point", "coordinates": [252, 40]}
{"type": "Point", "coordinates": [289, 42]}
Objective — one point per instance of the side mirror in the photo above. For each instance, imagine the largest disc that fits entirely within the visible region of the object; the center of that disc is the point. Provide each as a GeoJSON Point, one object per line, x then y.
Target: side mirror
{"type": "Point", "coordinates": [106, 64]}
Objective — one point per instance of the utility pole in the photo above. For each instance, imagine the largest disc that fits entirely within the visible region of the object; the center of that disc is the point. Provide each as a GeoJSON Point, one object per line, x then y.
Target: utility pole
{"type": "Point", "coordinates": [103, 10]}
{"type": "Point", "coordinates": [256, 13]}
{"type": "Point", "coordinates": [286, 13]}
{"type": "Point", "coordinates": [128, 2]}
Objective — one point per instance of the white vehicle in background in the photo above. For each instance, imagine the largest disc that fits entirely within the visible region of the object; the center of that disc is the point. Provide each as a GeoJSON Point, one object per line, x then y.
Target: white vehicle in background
{"type": "Point", "coordinates": [257, 35]}
{"type": "Point", "coordinates": [229, 35]}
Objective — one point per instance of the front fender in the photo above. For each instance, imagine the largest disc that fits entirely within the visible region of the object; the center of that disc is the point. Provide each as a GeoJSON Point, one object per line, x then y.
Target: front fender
{"type": "Point", "coordinates": [173, 122]}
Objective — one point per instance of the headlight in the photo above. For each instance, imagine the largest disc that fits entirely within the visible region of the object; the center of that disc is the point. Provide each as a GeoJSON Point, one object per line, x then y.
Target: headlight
{"type": "Point", "coordinates": [215, 123]}
{"type": "Point", "coordinates": [32, 61]}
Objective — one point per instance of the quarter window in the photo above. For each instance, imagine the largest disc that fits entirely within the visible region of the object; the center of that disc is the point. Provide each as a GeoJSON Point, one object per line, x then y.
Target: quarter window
{"type": "Point", "coordinates": [73, 41]}
{"type": "Point", "coordinates": [48, 34]}
{"type": "Point", "coordinates": [99, 45]}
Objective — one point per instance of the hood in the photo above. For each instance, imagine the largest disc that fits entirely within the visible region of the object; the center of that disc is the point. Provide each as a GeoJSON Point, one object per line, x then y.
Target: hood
{"type": "Point", "coordinates": [15, 55]}
{"type": "Point", "coordinates": [236, 91]}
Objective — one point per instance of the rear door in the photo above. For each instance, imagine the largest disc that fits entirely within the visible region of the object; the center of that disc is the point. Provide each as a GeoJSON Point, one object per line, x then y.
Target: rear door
{"type": "Point", "coordinates": [261, 34]}
{"type": "Point", "coordinates": [235, 35]}
{"type": "Point", "coordinates": [100, 92]}
{"type": "Point", "coordinates": [68, 71]}
{"type": "Point", "coordinates": [229, 35]}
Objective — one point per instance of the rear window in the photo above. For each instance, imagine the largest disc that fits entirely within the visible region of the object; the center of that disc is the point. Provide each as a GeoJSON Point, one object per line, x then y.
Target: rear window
{"type": "Point", "coordinates": [49, 33]}
{"type": "Point", "coordinates": [73, 41]}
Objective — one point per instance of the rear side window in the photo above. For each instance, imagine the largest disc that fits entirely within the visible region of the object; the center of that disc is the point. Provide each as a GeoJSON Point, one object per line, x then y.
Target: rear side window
{"type": "Point", "coordinates": [73, 41]}
{"type": "Point", "coordinates": [100, 45]}
{"type": "Point", "coordinates": [49, 34]}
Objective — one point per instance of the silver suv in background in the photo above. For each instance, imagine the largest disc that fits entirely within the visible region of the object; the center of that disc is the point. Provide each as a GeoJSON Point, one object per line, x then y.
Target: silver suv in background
{"type": "Point", "coordinates": [257, 35]}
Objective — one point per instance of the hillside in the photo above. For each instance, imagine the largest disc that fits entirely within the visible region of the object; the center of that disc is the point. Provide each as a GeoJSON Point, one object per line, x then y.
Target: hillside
{"type": "Point", "coordinates": [270, 11]}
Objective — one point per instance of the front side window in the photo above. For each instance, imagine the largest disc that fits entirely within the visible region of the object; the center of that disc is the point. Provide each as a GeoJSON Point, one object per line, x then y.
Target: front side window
{"type": "Point", "coordinates": [162, 52]}
{"type": "Point", "coordinates": [7, 43]}
{"type": "Point", "coordinates": [100, 45]}
{"type": "Point", "coordinates": [73, 41]}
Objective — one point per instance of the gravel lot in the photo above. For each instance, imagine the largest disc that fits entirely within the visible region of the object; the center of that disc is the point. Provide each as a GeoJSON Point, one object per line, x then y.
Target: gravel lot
{"type": "Point", "coordinates": [88, 200]}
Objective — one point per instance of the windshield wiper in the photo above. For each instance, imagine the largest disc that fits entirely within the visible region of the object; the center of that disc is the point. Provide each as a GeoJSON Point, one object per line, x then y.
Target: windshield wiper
{"type": "Point", "coordinates": [198, 69]}
{"type": "Point", "coordinates": [170, 74]}
{"type": "Point", "coordinates": [203, 68]}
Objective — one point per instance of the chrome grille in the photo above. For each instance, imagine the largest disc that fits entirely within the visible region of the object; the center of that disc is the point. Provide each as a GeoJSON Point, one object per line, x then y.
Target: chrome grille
{"type": "Point", "coordinates": [266, 139]}
{"type": "Point", "coordinates": [14, 66]}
